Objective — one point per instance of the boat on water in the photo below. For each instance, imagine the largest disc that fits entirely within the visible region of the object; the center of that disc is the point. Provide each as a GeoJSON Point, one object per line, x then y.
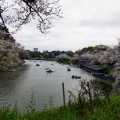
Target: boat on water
{"type": "Point", "coordinates": [49, 71]}
{"type": "Point", "coordinates": [68, 69]}
{"type": "Point", "coordinates": [37, 64]}
{"type": "Point", "coordinates": [76, 77]}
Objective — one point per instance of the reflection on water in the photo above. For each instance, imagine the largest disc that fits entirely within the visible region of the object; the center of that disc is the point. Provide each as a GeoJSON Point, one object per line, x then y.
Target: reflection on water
{"type": "Point", "coordinates": [10, 84]}
{"type": "Point", "coordinates": [18, 86]}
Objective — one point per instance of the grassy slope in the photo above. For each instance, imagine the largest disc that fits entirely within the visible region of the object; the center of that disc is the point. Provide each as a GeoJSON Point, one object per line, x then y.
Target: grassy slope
{"type": "Point", "coordinates": [104, 111]}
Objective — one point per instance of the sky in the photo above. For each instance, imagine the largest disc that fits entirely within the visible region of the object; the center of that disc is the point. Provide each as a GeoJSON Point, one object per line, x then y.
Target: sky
{"type": "Point", "coordinates": [84, 23]}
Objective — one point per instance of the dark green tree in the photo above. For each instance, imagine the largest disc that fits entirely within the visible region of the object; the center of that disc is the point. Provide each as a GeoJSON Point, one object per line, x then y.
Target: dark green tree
{"type": "Point", "coordinates": [70, 53]}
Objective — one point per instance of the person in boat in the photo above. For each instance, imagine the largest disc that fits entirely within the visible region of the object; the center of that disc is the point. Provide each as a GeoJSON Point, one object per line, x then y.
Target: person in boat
{"type": "Point", "coordinates": [37, 65]}
{"type": "Point", "coordinates": [73, 76]}
{"type": "Point", "coordinates": [49, 71]}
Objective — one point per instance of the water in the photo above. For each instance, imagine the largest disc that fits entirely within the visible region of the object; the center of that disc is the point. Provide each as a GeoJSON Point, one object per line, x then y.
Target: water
{"type": "Point", "coordinates": [18, 86]}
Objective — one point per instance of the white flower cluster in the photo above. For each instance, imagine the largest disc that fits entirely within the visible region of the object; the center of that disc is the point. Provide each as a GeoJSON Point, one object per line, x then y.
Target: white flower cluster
{"type": "Point", "coordinates": [111, 56]}
{"type": "Point", "coordinates": [63, 56]}
{"type": "Point", "coordinates": [9, 55]}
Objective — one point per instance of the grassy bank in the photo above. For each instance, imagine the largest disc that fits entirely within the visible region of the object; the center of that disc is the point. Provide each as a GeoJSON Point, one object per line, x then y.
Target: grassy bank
{"type": "Point", "coordinates": [110, 68]}
{"type": "Point", "coordinates": [64, 61]}
{"type": "Point", "coordinates": [102, 111]}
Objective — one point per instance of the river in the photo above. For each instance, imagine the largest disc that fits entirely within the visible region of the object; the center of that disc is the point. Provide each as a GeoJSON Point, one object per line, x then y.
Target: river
{"type": "Point", "coordinates": [32, 82]}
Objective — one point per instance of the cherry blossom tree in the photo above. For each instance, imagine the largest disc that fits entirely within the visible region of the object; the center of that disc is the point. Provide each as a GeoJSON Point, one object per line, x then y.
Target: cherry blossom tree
{"type": "Point", "coordinates": [110, 56]}
{"type": "Point", "coordinates": [20, 12]}
{"type": "Point", "coordinates": [10, 54]}
{"type": "Point", "coordinates": [87, 56]}
{"type": "Point", "coordinates": [63, 56]}
{"type": "Point", "coordinates": [116, 71]}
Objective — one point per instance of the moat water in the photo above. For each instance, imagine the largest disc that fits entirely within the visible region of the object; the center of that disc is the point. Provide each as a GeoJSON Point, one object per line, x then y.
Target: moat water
{"type": "Point", "coordinates": [32, 82]}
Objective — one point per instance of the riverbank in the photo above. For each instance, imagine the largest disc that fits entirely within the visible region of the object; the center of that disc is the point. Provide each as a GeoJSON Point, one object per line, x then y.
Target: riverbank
{"type": "Point", "coordinates": [98, 70]}
{"type": "Point", "coordinates": [11, 75]}
{"type": "Point", "coordinates": [102, 111]}
{"type": "Point", "coordinates": [64, 61]}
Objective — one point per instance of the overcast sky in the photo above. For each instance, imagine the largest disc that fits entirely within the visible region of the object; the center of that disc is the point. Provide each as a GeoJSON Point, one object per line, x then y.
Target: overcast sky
{"type": "Point", "coordinates": [84, 23]}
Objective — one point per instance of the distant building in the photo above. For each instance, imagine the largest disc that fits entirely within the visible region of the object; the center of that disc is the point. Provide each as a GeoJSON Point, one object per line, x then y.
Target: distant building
{"type": "Point", "coordinates": [35, 49]}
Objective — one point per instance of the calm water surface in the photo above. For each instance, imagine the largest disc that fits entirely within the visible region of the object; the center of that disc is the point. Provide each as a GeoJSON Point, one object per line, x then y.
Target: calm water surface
{"type": "Point", "coordinates": [19, 86]}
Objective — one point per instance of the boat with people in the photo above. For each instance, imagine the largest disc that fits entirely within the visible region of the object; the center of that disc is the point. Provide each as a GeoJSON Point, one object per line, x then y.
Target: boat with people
{"type": "Point", "coordinates": [76, 77]}
{"type": "Point", "coordinates": [68, 69]}
{"type": "Point", "coordinates": [37, 64]}
{"type": "Point", "coordinates": [49, 71]}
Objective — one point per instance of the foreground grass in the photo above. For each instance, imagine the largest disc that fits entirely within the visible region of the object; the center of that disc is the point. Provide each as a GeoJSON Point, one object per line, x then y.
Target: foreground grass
{"type": "Point", "coordinates": [102, 111]}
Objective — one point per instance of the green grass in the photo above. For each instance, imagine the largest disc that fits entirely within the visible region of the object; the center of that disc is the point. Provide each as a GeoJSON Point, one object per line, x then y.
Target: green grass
{"type": "Point", "coordinates": [110, 68]}
{"type": "Point", "coordinates": [64, 61]}
{"type": "Point", "coordinates": [107, 111]}
{"type": "Point", "coordinates": [102, 111]}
